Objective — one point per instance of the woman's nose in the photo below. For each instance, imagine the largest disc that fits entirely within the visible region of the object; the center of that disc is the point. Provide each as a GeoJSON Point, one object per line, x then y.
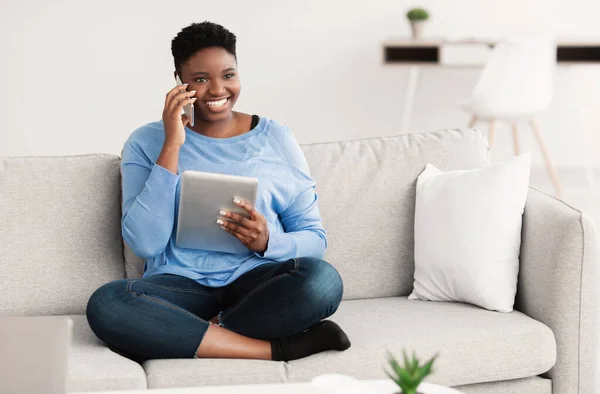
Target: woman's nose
{"type": "Point", "coordinates": [216, 88]}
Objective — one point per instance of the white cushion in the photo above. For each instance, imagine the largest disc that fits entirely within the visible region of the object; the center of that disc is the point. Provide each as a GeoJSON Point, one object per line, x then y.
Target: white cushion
{"type": "Point", "coordinates": [468, 233]}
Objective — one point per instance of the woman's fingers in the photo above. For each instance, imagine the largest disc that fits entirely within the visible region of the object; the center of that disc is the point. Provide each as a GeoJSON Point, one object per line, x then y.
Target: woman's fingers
{"type": "Point", "coordinates": [179, 100]}
{"type": "Point", "coordinates": [243, 239]}
{"type": "Point", "coordinates": [249, 208]}
{"type": "Point", "coordinates": [184, 120]}
{"type": "Point", "coordinates": [253, 232]}
{"type": "Point", "coordinates": [177, 89]}
{"type": "Point", "coordinates": [235, 228]}
{"type": "Point", "coordinates": [247, 223]}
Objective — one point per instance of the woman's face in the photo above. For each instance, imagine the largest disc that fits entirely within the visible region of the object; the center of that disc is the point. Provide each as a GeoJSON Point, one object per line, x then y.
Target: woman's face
{"type": "Point", "coordinates": [212, 73]}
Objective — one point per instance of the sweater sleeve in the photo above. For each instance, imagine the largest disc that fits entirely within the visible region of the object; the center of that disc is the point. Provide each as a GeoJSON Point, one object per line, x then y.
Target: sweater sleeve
{"type": "Point", "coordinates": [304, 235]}
{"type": "Point", "coordinates": [148, 202]}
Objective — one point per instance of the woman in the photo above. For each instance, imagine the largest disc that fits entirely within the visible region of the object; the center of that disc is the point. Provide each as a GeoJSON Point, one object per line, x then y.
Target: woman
{"type": "Point", "coordinates": [267, 304]}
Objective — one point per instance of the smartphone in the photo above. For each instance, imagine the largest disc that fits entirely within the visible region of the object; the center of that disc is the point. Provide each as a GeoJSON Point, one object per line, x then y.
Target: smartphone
{"type": "Point", "coordinates": [188, 109]}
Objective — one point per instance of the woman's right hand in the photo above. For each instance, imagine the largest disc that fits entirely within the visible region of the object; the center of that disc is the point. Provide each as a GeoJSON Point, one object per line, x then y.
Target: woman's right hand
{"type": "Point", "coordinates": [173, 120]}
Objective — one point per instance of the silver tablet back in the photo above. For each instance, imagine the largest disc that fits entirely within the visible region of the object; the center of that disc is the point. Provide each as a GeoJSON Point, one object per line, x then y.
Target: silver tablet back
{"type": "Point", "coordinates": [202, 195]}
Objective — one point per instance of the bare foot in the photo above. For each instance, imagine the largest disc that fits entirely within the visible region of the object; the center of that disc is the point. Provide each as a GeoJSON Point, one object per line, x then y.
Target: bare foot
{"type": "Point", "coordinates": [221, 343]}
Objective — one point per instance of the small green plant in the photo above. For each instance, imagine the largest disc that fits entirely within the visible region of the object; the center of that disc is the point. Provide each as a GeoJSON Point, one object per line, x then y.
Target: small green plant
{"type": "Point", "coordinates": [409, 376]}
{"type": "Point", "coordinates": [417, 14]}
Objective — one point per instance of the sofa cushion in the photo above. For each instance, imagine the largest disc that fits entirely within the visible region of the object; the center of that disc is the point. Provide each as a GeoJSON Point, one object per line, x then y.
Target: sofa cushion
{"type": "Point", "coordinates": [474, 345]}
{"type": "Point", "coordinates": [94, 367]}
{"type": "Point", "coordinates": [60, 232]}
{"type": "Point", "coordinates": [366, 191]}
{"type": "Point", "coordinates": [212, 372]}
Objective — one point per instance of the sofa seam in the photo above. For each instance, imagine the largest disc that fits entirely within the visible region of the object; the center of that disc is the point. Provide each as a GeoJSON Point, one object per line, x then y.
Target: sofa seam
{"type": "Point", "coordinates": [395, 136]}
{"type": "Point", "coordinates": [127, 264]}
{"type": "Point", "coordinates": [558, 200]}
{"type": "Point", "coordinates": [286, 371]}
{"type": "Point", "coordinates": [583, 245]}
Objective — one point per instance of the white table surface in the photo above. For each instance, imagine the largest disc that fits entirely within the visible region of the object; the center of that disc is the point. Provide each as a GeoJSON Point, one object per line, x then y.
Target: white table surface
{"type": "Point", "coordinates": [363, 387]}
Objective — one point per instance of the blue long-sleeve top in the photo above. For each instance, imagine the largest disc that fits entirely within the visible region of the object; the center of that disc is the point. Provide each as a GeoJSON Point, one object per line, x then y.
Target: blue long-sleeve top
{"type": "Point", "coordinates": [286, 198]}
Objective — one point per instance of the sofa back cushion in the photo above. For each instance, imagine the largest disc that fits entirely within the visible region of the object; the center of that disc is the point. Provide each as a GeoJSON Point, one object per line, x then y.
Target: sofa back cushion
{"type": "Point", "coordinates": [60, 235]}
{"type": "Point", "coordinates": [366, 191]}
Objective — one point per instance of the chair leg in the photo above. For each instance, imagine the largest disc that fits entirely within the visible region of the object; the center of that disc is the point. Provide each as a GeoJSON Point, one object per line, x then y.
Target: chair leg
{"type": "Point", "coordinates": [549, 166]}
{"type": "Point", "coordinates": [515, 132]}
{"type": "Point", "coordinates": [491, 134]}
{"type": "Point", "coordinates": [472, 121]}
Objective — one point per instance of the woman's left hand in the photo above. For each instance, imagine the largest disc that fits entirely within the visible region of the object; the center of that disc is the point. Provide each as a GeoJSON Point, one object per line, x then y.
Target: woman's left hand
{"type": "Point", "coordinates": [253, 232]}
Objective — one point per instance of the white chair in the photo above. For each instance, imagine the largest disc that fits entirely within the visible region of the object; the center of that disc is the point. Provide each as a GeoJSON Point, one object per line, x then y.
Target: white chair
{"type": "Point", "coordinates": [515, 85]}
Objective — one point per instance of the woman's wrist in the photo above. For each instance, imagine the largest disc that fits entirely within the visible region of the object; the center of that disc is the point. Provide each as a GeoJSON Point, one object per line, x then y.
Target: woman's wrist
{"type": "Point", "coordinates": [171, 145]}
{"type": "Point", "coordinates": [169, 157]}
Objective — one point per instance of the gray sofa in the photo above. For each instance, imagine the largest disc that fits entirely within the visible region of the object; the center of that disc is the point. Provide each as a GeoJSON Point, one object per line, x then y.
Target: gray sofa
{"type": "Point", "coordinates": [60, 240]}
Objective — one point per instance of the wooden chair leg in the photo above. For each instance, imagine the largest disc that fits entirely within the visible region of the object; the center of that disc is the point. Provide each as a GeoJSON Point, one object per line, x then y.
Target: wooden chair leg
{"type": "Point", "coordinates": [491, 134]}
{"type": "Point", "coordinates": [472, 121]}
{"type": "Point", "coordinates": [515, 133]}
{"type": "Point", "coordinates": [549, 166]}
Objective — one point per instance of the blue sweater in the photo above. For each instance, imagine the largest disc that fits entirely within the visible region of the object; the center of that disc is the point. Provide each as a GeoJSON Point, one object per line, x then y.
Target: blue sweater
{"type": "Point", "coordinates": [286, 198]}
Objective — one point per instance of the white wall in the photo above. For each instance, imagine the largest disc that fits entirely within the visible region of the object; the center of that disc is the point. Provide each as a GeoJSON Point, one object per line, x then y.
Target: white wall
{"type": "Point", "coordinates": [79, 76]}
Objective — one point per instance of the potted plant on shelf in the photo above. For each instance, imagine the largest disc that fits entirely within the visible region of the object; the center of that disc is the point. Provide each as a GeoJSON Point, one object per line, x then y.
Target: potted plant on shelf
{"type": "Point", "coordinates": [417, 18]}
{"type": "Point", "coordinates": [409, 376]}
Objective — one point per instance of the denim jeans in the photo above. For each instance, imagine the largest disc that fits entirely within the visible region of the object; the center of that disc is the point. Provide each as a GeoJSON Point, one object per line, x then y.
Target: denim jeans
{"type": "Point", "coordinates": [166, 316]}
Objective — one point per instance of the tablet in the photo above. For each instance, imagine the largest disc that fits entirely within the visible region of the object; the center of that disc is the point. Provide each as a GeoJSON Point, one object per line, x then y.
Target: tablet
{"type": "Point", "coordinates": [202, 195]}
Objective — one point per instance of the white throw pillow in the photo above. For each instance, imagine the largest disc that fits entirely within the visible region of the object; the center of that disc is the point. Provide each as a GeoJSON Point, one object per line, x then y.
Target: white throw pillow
{"type": "Point", "coordinates": [468, 234]}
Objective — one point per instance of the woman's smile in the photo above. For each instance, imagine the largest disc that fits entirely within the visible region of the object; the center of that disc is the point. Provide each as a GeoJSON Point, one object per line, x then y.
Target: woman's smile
{"type": "Point", "coordinates": [217, 105]}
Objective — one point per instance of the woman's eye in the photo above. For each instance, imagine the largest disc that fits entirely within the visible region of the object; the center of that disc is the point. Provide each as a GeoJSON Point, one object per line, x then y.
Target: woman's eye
{"type": "Point", "coordinates": [228, 76]}
{"type": "Point", "coordinates": [201, 80]}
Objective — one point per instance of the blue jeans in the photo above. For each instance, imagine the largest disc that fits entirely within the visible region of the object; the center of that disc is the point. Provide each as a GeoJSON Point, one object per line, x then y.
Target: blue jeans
{"type": "Point", "coordinates": [166, 316]}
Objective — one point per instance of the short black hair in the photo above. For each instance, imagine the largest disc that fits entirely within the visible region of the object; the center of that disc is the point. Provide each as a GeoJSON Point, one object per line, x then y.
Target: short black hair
{"type": "Point", "coordinates": [198, 36]}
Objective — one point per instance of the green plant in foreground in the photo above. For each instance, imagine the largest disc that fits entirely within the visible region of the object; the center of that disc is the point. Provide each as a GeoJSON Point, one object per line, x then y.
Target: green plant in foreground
{"type": "Point", "coordinates": [417, 14]}
{"type": "Point", "coordinates": [409, 376]}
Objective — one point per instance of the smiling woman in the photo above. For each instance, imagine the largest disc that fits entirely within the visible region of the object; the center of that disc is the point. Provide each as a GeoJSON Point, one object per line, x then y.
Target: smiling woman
{"type": "Point", "coordinates": [268, 303]}
{"type": "Point", "coordinates": [211, 72]}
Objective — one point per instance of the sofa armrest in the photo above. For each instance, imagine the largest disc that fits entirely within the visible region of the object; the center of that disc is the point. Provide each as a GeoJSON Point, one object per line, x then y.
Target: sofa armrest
{"type": "Point", "coordinates": [558, 286]}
